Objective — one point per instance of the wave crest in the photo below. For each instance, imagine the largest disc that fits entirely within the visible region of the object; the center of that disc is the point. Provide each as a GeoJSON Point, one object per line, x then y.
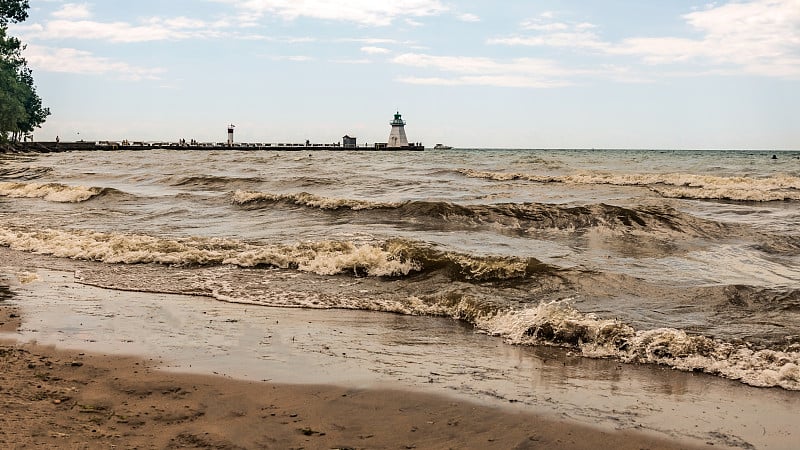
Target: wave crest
{"type": "Point", "coordinates": [308, 200]}
{"type": "Point", "coordinates": [211, 181]}
{"type": "Point", "coordinates": [24, 173]}
{"type": "Point", "coordinates": [513, 216]}
{"type": "Point", "coordinates": [393, 258]}
{"type": "Point", "coordinates": [672, 185]}
{"type": "Point", "coordinates": [466, 267]}
{"type": "Point", "coordinates": [52, 192]}
{"type": "Point", "coordinates": [557, 323]}
{"type": "Point", "coordinates": [324, 258]}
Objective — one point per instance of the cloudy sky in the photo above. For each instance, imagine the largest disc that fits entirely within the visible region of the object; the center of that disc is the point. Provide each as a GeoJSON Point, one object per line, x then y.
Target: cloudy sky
{"type": "Point", "coordinates": [469, 73]}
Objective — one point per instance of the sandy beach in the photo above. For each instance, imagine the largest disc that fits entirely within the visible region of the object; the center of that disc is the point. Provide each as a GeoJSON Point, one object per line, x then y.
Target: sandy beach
{"type": "Point", "coordinates": [89, 367]}
{"type": "Point", "coordinates": [71, 399]}
{"type": "Point", "coordinates": [425, 224]}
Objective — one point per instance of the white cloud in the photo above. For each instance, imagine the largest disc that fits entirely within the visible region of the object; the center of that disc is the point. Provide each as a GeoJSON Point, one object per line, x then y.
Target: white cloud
{"type": "Point", "coordinates": [762, 37]}
{"type": "Point", "coordinates": [182, 23]}
{"type": "Point", "coordinates": [351, 61]}
{"type": "Point", "coordinates": [486, 80]}
{"type": "Point", "coordinates": [759, 37]}
{"type": "Point", "coordinates": [146, 30]}
{"type": "Point", "coordinates": [70, 60]}
{"type": "Point", "coordinates": [555, 34]}
{"type": "Point", "coordinates": [469, 18]}
{"type": "Point", "coordinates": [364, 12]}
{"type": "Point", "coordinates": [375, 50]}
{"type": "Point", "coordinates": [520, 72]}
{"type": "Point", "coordinates": [73, 11]}
{"type": "Point", "coordinates": [153, 30]}
{"type": "Point", "coordinates": [375, 41]}
{"type": "Point", "coordinates": [551, 27]}
{"type": "Point", "coordinates": [548, 33]}
{"type": "Point", "coordinates": [293, 58]}
{"type": "Point", "coordinates": [569, 40]}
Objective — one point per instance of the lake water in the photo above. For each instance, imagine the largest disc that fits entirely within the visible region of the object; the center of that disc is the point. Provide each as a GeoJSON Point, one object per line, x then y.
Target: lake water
{"type": "Point", "coordinates": [685, 259]}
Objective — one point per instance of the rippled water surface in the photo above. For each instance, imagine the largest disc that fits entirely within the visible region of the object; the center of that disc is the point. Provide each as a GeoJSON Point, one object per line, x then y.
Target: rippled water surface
{"type": "Point", "coordinates": [689, 259]}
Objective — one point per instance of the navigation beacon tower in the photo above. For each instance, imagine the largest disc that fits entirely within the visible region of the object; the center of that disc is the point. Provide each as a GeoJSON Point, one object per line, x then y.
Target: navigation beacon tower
{"type": "Point", "coordinates": [397, 138]}
{"type": "Point", "coordinates": [230, 134]}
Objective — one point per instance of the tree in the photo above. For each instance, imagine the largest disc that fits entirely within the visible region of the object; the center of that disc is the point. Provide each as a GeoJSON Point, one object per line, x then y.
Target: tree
{"type": "Point", "coordinates": [13, 11]}
{"type": "Point", "coordinates": [12, 109]}
{"type": "Point", "coordinates": [21, 107]}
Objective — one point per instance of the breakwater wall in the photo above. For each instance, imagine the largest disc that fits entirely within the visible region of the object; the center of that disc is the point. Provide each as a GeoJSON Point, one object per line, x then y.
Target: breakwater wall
{"type": "Point", "coordinates": [52, 147]}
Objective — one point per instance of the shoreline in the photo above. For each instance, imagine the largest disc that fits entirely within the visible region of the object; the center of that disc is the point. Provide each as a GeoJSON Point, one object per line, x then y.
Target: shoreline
{"type": "Point", "coordinates": [341, 351]}
{"type": "Point", "coordinates": [58, 398]}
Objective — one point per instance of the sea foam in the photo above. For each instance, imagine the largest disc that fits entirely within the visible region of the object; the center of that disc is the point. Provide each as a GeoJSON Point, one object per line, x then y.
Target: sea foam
{"type": "Point", "coordinates": [674, 185]}
{"type": "Point", "coordinates": [391, 258]}
{"type": "Point", "coordinates": [555, 323]}
{"type": "Point", "coordinates": [558, 323]}
{"type": "Point", "coordinates": [52, 192]}
{"type": "Point", "coordinates": [309, 200]}
{"type": "Point", "coordinates": [324, 258]}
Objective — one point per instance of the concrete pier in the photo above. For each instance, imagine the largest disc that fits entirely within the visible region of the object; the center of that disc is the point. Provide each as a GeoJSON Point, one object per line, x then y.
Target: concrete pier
{"type": "Point", "coordinates": [51, 147]}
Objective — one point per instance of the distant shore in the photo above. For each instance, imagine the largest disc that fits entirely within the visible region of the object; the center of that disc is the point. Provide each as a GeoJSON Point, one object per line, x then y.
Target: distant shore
{"type": "Point", "coordinates": [56, 147]}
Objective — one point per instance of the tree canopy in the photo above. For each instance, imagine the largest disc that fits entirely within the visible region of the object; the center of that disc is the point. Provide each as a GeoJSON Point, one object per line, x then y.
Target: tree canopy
{"type": "Point", "coordinates": [13, 11]}
{"type": "Point", "coordinates": [21, 108]}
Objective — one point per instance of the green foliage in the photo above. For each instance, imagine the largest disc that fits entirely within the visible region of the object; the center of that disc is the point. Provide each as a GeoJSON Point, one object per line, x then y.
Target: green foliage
{"type": "Point", "coordinates": [21, 108]}
{"type": "Point", "coordinates": [13, 11]}
{"type": "Point", "coordinates": [12, 106]}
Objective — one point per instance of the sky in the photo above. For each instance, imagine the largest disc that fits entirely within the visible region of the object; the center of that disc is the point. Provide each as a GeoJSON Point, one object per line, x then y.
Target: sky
{"type": "Point", "coordinates": [672, 74]}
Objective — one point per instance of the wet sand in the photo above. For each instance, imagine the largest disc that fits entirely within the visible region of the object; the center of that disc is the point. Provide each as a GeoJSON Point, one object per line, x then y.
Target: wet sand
{"type": "Point", "coordinates": [56, 399]}
{"type": "Point", "coordinates": [333, 379]}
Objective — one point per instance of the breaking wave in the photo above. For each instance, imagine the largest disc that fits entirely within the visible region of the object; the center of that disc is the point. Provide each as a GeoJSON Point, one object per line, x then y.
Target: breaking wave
{"type": "Point", "coordinates": [308, 200]}
{"type": "Point", "coordinates": [554, 323]}
{"type": "Point", "coordinates": [672, 185]}
{"type": "Point", "coordinates": [394, 258]}
{"type": "Point", "coordinates": [518, 216]}
{"type": "Point", "coordinates": [559, 324]}
{"type": "Point", "coordinates": [52, 192]}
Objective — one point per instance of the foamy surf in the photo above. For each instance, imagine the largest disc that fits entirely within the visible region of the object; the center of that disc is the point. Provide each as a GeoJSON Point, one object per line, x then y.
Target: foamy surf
{"type": "Point", "coordinates": [52, 192]}
{"type": "Point", "coordinates": [558, 323]}
{"type": "Point", "coordinates": [672, 185]}
{"type": "Point", "coordinates": [391, 258]}
{"type": "Point", "coordinates": [555, 323]}
{"type": "Point", "coordinates": [309, 200]}
{"type": "Point", "coordinates": [324, 258]}
{"type": "Point", "coordinates": [413, 234]}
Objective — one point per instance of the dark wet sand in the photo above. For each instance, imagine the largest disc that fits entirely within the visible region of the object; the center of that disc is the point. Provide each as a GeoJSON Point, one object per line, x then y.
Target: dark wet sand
{"type": "Point", "coordinates": [60, 399]}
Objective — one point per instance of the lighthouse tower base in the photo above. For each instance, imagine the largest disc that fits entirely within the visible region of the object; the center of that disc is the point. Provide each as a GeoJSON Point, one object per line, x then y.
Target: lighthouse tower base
{"type": "Point", "coordinates": [397, 137]}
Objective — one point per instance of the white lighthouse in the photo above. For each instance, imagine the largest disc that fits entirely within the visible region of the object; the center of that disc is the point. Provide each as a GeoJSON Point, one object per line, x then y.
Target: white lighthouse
{"type": "Point", "coordinates": [397, 138]}
{"type": "Point", "coordinates": [230, 134]}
